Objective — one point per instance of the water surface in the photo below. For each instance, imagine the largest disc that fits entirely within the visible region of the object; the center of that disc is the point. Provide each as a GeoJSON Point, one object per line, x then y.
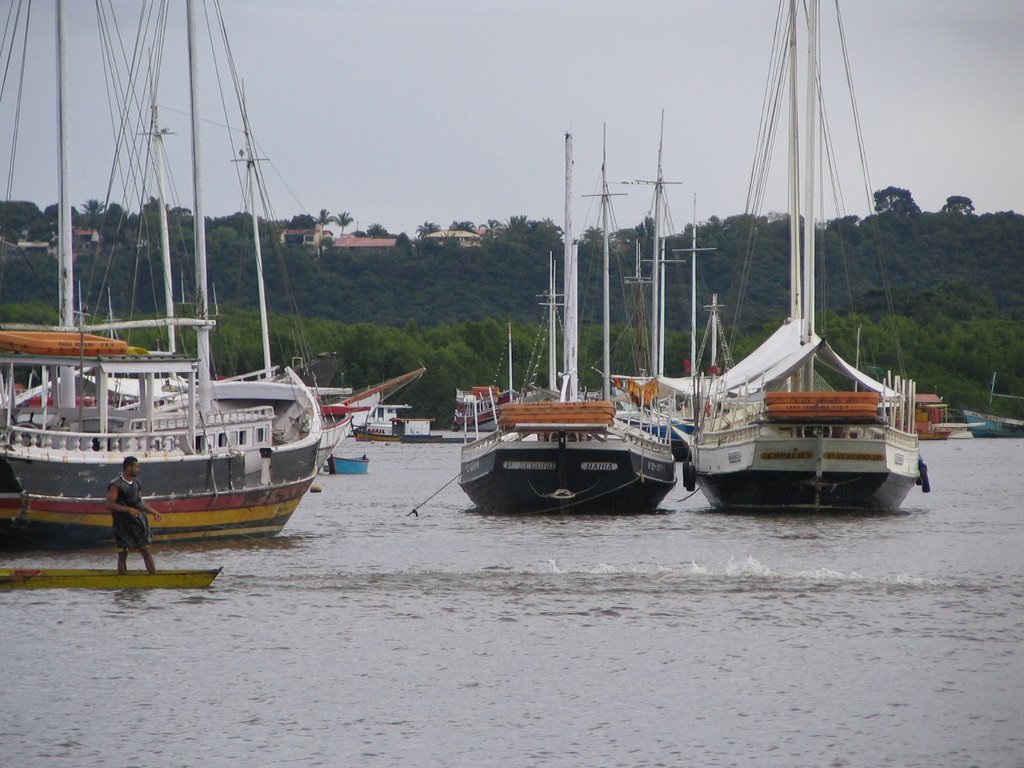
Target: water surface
{"type": "Point", "coordinates": [365, 636]}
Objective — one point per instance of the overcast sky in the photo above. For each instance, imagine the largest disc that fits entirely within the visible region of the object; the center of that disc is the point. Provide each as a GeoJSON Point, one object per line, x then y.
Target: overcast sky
{"type": "Point", "coordinates": [406, 111]}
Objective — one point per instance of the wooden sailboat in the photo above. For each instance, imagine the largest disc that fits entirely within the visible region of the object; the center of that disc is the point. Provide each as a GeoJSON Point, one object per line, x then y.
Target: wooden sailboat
{"type": "Point", "coordinates": [220, 459]}
{"type": "Point", "coordinates": [776, 437]}
{"type": "Point", "coordinates": [567, 456]}
{"type": "Point", "coordinates": [95, 578]}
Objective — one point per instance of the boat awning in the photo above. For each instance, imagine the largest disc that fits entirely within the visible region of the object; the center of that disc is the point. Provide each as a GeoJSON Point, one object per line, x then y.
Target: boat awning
{"type": "Point", "coordinates": [779, 357]}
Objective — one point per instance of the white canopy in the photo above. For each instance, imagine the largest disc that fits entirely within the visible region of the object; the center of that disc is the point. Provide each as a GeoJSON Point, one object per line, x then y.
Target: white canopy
{"type": "Point", "coordinates": [778, 357]}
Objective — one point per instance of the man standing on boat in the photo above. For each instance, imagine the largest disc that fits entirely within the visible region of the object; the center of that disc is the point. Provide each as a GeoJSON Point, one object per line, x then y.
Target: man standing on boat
{"type": "Point", "coordinates": [131, 526]}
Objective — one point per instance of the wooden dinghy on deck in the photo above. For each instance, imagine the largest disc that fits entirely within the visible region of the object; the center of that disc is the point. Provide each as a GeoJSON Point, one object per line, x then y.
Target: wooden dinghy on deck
{"type": "Point", "coordinates": [822, 406]}
{"type": "Point", "coordinates": [556, 416]}
{"type": "Point", "coordinates": [64, 344]}
{"type": "Point", "coordinates": [98, 578]}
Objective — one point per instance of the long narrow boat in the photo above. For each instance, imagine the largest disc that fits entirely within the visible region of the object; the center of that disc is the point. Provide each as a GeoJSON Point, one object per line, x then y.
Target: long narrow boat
{"type": "Point", "coordinates": [63, 343]}
{"type": "Point", "coordinates": [98, 578]}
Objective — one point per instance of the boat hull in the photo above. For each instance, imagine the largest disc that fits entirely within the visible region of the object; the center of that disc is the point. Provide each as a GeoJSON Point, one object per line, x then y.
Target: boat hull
{"type": "Point", "coordinates": [43, 505]}
{"type": "Point", "coordinates": [769, 473]}
{"type": "Point", "coordinates": [534, 478]}
{"type": "Point", "coordinates": [345, 466]}
{"type": "Point", "coordinates": [82, 578]}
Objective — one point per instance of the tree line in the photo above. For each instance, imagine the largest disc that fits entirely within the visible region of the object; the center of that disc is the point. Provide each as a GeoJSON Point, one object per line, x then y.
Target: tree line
{"type": "Point", "coordinates": [953, 279]}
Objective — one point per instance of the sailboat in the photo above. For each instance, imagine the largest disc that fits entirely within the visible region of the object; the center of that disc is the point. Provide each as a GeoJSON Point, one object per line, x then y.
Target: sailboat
{"type": "Point", "coordinates": [478, 408]}
{"type": "Point", "coordinates": [776, 436]}
{"type": "Point", "coordinates": [569, 456]}
{"type": "Point", "coordinates": [220, 459]}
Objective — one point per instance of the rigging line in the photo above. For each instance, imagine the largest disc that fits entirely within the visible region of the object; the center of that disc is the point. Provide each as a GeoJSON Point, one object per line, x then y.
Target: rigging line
{"type": "Point", "coordinates": [21, 91]}
{"type": "Point", "coordinates": [235, 80]}
{"type": "Point", "coordinates": [118, 88]}
{"type": "Point", "coordinates": [107, 59]}
{"type": "Point", "coordinates": [761, 165]}
{"type": "Point", "coordinates": [220, 85]}
{"type": "Point", "coordinates": [883, 270]}
{"type": "Point", "coordinates": [13, 31]}
{"type": "Point", "coordinates": [838, 202]}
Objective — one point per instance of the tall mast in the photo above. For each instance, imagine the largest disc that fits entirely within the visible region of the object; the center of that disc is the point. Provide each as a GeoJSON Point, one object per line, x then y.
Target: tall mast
{"type": "Point", "coordinates": [66, 379]}
{"type": "Point", "coordinates": [253, 179]}
{"type": "Point", "coordinates": [810, 162]}
{"type": "Point", "coordinates": [159, 161]}
{"type": "Point", "coordinates": [693, 293]}
{"type": "Point", "coordinates": [606, 346]}
{"type": "Point", "coordinates": [570, 387]}
{"type": "Point", "coordinates": [199, 221]}
{"type": "Point", "coordinates": [656, 297]}
{"type": "Point", "coordinates": [510, 357]}
{"type": "Point", "coordinates": [795, 303]}
{"type": "Point", "coordinates": [552, 329]}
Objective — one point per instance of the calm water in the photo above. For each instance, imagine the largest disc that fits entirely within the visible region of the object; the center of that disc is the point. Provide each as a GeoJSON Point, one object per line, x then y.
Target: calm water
{"type": "Point", "coordinates": [366, 637]}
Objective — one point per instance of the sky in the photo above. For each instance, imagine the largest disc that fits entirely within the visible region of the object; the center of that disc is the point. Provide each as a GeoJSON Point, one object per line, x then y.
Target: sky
{"type": "Point", "coordinates": [402, 112]}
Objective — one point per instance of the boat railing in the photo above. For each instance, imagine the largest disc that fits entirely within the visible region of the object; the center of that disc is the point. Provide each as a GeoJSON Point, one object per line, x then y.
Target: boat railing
{"type": "Point", "coordinates": [45, 441]}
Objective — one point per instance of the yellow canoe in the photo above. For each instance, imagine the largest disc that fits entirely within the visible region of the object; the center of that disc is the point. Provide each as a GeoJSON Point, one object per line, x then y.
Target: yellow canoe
{"type": "Point", "coordinates": [98, 578]}
{"type": "Point", "coordinates": [65, 343]}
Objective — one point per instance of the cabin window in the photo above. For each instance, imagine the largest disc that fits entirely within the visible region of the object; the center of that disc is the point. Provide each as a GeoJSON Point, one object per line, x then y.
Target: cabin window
{"type": "Point", "coordinates": [200, 443]}
{"type": "Point", "coordinates": [241, 438]}
{"type": "Point", "coordinates": [261, 435]}
{"type": "Point", "coordinates": [222, 440]}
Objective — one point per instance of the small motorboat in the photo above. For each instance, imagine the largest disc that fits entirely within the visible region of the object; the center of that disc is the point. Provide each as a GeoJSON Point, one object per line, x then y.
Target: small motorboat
{"type": "Point", "coordinates": [340, 465]}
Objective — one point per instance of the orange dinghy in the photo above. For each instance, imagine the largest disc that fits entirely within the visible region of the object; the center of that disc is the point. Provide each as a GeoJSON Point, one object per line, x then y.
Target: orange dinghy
{"type": "Point", "coordinates": [62, 343]}
{"type": "Point", "coordinates": [596, 412]}
{"type": "Point", "coordinates": [822, 406]}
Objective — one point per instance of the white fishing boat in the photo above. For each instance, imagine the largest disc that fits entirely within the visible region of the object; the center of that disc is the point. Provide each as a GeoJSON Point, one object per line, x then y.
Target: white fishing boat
{"type": "Point", "coordinates": [220, 459]}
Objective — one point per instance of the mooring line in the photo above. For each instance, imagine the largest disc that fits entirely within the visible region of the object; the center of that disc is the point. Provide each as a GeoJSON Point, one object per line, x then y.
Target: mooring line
{"type": "Point", "coordinates": [415, 510]}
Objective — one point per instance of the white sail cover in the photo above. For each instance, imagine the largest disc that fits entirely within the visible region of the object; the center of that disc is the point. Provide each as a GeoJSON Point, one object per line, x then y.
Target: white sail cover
{"type": "Point", "coordinates": [778, 357]}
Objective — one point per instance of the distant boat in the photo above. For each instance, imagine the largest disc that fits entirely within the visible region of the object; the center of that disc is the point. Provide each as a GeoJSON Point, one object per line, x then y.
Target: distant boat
{"type": "Point", "coordinates": [360, 404]}
{"type": "Point", "coordinates": [89, 578]}
{"type": "Point", "coordinates": [991, 425]}
{"type": "Point", "coordinates": [478, 408]}
{"type": "Point", "coordinates": [385, 425]}
{"type": "Point", "coordinates": [340, 465]}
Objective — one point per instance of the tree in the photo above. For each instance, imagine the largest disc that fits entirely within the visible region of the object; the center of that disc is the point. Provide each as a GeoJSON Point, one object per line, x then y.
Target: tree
{"type": "Point", "coordinates": [463, 226]}
{"type": "Point", "coordinates": [92, 213]}
{"type": "Point", "coordinates": [324, 218]}
{"type": "Point", "coordinates": [958, 204]}
{"type": "Point", "coordinates": [377, 230]}
{"type": "Point", "coordinates": [896, 202]}
{"type": "Point", "coordinates": [426, 228]}
{"type": "Point", "coordinates": [343, 219]}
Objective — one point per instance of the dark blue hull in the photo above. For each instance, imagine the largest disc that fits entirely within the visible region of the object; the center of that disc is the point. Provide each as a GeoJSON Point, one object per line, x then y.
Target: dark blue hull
{"type": "Point", "coordinates": [544, 479]}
